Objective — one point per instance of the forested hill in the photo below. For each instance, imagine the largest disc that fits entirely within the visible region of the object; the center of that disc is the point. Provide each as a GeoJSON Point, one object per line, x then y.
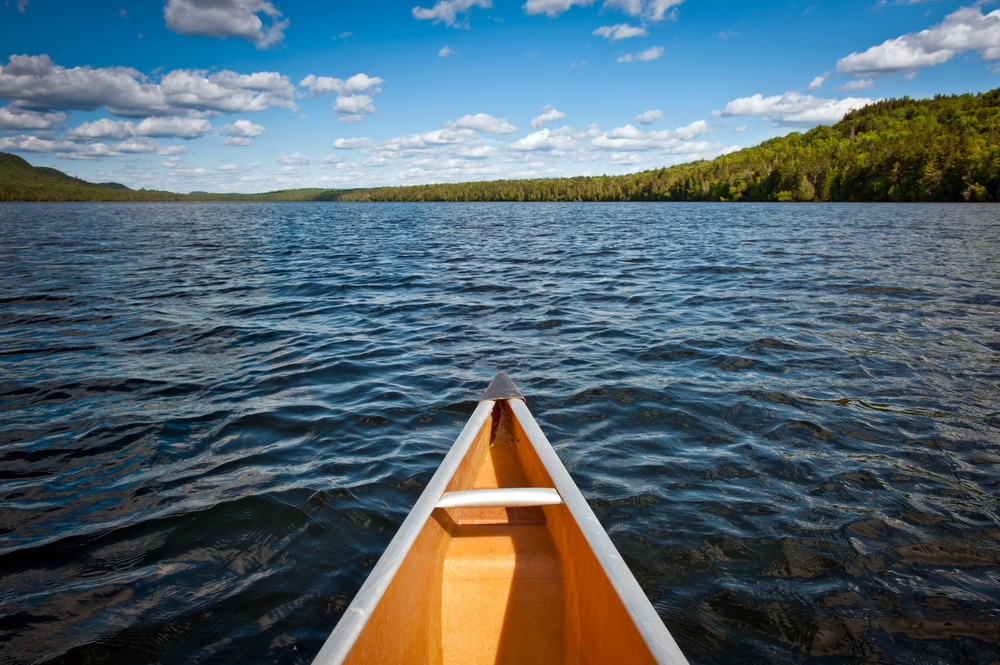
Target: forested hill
{"type": "Point", "coordinates": [20, 181]}
{"type": "Point", "coordinates": [941, 149]}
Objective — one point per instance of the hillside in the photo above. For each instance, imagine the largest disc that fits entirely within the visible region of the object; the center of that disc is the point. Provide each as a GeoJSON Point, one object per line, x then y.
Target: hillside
{"type": "Point", "coordinates": [941, 149]}
{"type": "Point", "coordinates": [20, 181]}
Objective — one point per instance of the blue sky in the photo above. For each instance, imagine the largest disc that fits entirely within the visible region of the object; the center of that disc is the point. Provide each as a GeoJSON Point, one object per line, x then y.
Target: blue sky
{"type": "Point", "coordinates": [258, 95]}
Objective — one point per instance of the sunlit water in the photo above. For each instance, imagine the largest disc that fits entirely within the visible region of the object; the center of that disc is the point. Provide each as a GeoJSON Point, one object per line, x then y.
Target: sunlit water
{"type": "Point", "coordinates": [213, 417]}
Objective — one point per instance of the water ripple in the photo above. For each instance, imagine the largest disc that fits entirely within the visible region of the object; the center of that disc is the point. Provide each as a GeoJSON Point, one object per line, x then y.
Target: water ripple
{"type": "Point", "coordinates": [215, 416]}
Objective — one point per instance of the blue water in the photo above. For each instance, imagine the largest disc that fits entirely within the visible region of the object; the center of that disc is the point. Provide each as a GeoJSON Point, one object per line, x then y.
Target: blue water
{"type": "Point", "coordinates": [213, 417]}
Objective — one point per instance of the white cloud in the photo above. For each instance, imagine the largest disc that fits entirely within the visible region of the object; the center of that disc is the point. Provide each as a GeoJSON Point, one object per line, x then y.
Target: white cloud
{"type": "Point", "coordinates": [353, 108]}
{"type": "Point", "coordinates": [649, 10]}
{"type": "Point", "coordinates": [428, 141]}
{"type": "Point", "coordinates": [679, 140]}
{"type": "Point", "coordinates": [620, 31]}
{"type": "Point", "coordinates": [817, 82]}
{"type": "Point", "coordinates": [294, 159]}
{"type": "Point", "coordinates": [445, 52]}
{"type": "Point", "coordinates": [559, 140]}
{"type": "Point", "coordinates": [241, 132]}
{"type": "Point", "coordinates": [649, 117]}
{"type": "Point", "coordinates": [792, 109]}
{"type": "Point", "coordinates": [552, 8]}
{"type": "Point", "coordinates": [105, 129]}
{"type": "Point", "coordinates": [651, 53]}
{"type": "Point", "coordinates": [741, 128]}
{"type": "Point", "coordinates": [181, 128]}
{"type": "Point", "coordinates": [352, 144]}
{"type": "Point", "coordinates": [22, 6]}
{"type": "Point", "coordinates": [548, 114]}
{"type": "Point", "coordinates": [36, 83]}
{"type": "Point", "coordinates": [447, 11]}
{"type": "Point", "coordinates": [138, 144]}
{"type": "Point", "coordinates": [862, 84]}
{"type": "Point", "coordinates": [350, 104]}
{"type": "Point", "coordinates": [226, 18]}
{"type": "Point", "coordinates": [358, 83]}
{"type": "Point", "coordinates": [12, 117]}
{"type": "Point", "coordinates": [964, 30]}
{"type": "Point", "coordinates": [233, 168]}
{"type": "Point", "coordinates": [61, 148]}
{"type": "Point", "coordinates": [333, 159]}
{"type": "Point", "coordinates": [482, 122]}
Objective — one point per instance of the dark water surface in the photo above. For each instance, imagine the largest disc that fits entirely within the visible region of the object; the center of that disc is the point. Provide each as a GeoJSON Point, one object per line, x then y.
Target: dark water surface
{"type": "Point", "coordinates": [213, 417]}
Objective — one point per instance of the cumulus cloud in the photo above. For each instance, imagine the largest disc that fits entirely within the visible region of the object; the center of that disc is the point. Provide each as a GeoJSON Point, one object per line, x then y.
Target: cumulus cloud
{"type": "Point", "coordinates": [294, 159]}
{"type": "Point", "coordinates": [817, 82]}
{"type": "Point", "coordinates": [350, 104]}
{"type": "Point", "coordinates": [620, 31]}
{"type": "Point", "coordinates": [352, 144]}
{"type": "Point", "coordinates": [649, 117]}
{"type": "Point", "coordinates": [353, 108]}
{"type": "Point", "coordinates": [792, 109]}
{"type": "Point", "coordinates": [552, 8]}
{"type": "Point", "coordinates": [548, 114]}
{"type": "Point", "coordinates": [559, 140]}
{"type": "Point", "coordinates": [319, 85]}
{"type": "Point", "coordinates": [964, 30]}
{"type": "Point", "coordinates": [106, 129]}
{"type": "Point", "coordinates": [234, 168]}
{"type": "Point", "coordinates": [37, 83]}
{"type": "Point", "coordinates": [629, 139]}
{"type": "Point", "coordinates": [445, 52]}
{"type": "Point", "coordinates": [649, 10]}
{"type": "Point", "coordinates": [68, 149]}
{"type": "Point", "coordinates": [60, 148]}
{"type": "Point", "coordinates": [651, 53]}
{"type": "Point", "coordinates": [482, 122]}
{"type": "Point", "coordinates": [862, 84]}
{"type": "Point", "coordinates": [226, 18]}
{"type": "Point", "coordinates": [241, 132]}
{"type": "Point", "coordinates": [427, 141]}
{"type": "Point", "coordinates": [448, 11]}
{"type": "Point", "coordinates": [12, 117]}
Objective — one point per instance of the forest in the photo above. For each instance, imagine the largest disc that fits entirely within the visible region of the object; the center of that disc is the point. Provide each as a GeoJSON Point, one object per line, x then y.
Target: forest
{"type": "Point", "coordinates": [941, 149]}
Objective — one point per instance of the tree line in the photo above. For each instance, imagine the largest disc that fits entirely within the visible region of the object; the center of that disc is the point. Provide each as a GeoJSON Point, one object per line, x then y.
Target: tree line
{"type": "Point", "coordinates": [941, 149]}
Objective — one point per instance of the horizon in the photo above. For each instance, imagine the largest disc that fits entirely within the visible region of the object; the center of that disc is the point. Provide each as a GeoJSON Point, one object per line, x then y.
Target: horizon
{"type": "Point", "coordinates": [252, 96]}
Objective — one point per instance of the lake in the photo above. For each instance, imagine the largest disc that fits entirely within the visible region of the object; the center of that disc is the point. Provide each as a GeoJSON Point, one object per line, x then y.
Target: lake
{"type": "Point", "coordinates": [213, 417]}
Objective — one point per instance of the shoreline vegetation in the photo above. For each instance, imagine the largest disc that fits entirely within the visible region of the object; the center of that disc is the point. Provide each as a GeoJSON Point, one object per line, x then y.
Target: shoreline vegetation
{"type": "Point", "coordinates": [945, 149]}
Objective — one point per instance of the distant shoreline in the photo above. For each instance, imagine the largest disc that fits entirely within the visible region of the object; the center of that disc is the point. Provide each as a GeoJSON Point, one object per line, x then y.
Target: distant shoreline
{"type": "Point", "coordinates": [939, 150]}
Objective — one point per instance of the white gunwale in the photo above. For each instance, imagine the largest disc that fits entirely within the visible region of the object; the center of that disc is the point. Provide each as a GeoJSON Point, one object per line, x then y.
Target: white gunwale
{"type": "Point", "coordinates": [343, 637]}
{"type": "Point", "coordinates": [658, 639]}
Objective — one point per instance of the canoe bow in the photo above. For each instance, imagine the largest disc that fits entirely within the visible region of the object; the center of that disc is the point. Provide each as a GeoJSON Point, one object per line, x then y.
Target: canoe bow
{"type": "Point", "coordinates": [501, 560]}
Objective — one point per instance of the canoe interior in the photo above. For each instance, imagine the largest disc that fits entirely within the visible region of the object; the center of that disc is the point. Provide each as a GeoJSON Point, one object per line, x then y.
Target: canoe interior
{"type": "Point", "coordinates": [500, 585]}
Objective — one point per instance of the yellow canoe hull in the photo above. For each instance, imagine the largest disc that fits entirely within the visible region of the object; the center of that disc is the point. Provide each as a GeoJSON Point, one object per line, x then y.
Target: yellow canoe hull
{"type": "Point", "coordinates": [502, 583]}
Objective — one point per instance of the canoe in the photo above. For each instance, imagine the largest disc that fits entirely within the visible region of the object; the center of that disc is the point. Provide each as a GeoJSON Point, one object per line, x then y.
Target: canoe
{"type": "Point", "coordinates": [500, 560]}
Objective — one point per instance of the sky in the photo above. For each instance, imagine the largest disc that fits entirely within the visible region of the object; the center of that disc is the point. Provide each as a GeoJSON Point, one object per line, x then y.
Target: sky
{"type": "Point", "coordinates": [261, 95]}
